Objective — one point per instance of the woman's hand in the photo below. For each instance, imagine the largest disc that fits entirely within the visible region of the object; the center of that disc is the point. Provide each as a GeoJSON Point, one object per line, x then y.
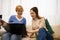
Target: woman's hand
{"type": "Point", "coordinates": [1, 22]}
{"type": "Point", "coordinates": [30, 31]}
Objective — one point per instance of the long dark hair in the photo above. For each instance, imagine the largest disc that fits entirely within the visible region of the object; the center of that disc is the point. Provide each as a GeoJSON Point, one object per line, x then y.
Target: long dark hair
{"type": "Point", "coordinates": [35, 9]}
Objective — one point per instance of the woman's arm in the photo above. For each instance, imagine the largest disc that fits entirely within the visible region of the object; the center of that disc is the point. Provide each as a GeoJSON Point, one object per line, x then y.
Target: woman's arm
{"type": "Point", "coordinates": [40, 25]}
{"type": "Point", "coordinates": [3, 24]}
{"type": "Point", "coordinates": [11, 19]}
{"type": "Point", "coordinates": [32, 31]}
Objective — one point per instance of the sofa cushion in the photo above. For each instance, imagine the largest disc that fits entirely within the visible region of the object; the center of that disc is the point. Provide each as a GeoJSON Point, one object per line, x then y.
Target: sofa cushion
{"type": "Point", "coordinates": [2, 30]}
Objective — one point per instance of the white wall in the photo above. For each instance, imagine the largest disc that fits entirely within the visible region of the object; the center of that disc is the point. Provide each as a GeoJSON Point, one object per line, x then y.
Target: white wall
{"type": "Point", "coordinates": [47, 8]}
{"type": "Point", "coordinates": [14, 3]}
{"type": "Point", "coordinates": [0, 6]}
{"type": "Point", "coordinates": [52, 12]}
{"type": "Point", "coordinates": [28, 4]}
{"type": "Point", "coordinates": [58, 14]}
{"type": "Point", "coordinates": [5, 9]}
{"type": "Point", "coordinates": [50, 9]}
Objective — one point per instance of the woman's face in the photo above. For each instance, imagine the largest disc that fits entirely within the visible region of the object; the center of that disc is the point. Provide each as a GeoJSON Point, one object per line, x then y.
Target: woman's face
{"type": "Point", "coordinates": [33, 14]}
{"type": "Point", "coordinates": [19, 12]}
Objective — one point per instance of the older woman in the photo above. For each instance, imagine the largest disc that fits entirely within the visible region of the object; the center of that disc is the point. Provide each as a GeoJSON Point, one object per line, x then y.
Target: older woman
{"type": "Point", "coordinates": [15, 19]}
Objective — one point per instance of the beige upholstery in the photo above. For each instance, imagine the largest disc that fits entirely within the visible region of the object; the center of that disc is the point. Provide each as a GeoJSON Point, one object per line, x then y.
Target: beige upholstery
{"type": "Point", "coordinates": [57, 31]}
{"type": "Point", "coordinates": [2, 31]}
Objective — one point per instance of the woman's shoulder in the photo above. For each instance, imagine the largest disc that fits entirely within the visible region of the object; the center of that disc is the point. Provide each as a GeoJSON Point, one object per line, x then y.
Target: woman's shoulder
{"type": "Point", "coordinates": [43, 18]}
{"type": "Point", "coordinates": [12, 15]}
{"type": "Point", "coordinates": [24, 18]}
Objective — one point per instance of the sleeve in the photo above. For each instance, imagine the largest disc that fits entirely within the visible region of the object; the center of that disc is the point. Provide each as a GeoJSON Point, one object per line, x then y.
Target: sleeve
{"type": "Point", "coordinates": [24, 21]}
{"type": "Point", "coordinates": [11, 19]}
{"type": "Point", "coordinates": [42, 23]}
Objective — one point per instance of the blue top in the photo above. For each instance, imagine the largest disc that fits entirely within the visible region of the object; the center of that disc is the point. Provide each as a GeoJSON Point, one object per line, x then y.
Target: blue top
{"type": "Point", "coordinates": [14, 19]}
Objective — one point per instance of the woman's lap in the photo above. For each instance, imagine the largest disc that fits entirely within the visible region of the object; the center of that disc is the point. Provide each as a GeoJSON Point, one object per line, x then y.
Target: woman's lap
{"type": "Point", "coordinates": [9, 36]}
{"type": "Point", "coordinates": [6, 36]}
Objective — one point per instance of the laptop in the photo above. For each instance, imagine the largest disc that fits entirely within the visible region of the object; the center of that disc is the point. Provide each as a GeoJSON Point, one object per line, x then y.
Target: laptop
{"type": "Point", "coordinates": [0, 19]}
{"type": "Point", "coordinates": [17, 28]}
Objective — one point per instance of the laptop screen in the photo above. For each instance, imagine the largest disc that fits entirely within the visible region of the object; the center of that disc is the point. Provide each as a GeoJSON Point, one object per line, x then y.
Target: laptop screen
{"type": "Point", "coordinates": [17, 28]}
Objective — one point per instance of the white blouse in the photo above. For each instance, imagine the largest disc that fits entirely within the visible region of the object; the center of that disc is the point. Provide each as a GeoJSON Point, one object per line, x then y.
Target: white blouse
{"type": "Point", "coordinates": [38, 23]}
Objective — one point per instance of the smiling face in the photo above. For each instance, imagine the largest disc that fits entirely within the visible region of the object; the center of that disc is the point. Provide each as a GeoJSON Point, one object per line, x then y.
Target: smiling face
{"type": "Point", "coordinates": [33, 14]}
{"type": "Point", "coordinates": [19, 10]}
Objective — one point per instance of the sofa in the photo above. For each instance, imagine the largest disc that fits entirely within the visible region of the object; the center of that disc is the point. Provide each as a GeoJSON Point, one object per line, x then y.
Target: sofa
{"type": "Point", "coordinates": [56, 35]}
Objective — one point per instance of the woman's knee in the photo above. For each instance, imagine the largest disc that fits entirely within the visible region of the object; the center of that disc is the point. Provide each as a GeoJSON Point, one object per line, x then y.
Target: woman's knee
{"type": "Point", "coordinates": [6, 34]}
{"type": "Point", "coordinates": [15, 37]}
